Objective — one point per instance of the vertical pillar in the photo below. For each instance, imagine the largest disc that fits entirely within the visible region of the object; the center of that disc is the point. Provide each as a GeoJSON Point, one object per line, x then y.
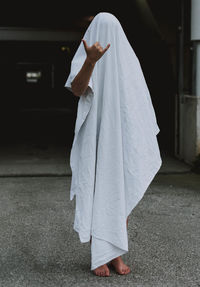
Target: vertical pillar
{"type": "Point", "coordinates": [195, 38]}
{"type": "Point", "coordinates": [189, 104]}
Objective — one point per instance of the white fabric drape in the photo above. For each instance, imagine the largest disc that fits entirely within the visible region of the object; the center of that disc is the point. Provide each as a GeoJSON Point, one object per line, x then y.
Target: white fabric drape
{"type": "Point", "coordinates": [115, 153]}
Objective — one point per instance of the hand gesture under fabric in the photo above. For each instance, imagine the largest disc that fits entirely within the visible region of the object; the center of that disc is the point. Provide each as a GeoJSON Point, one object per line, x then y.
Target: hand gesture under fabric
{"type": "Point", "coordinates": [94, 52]}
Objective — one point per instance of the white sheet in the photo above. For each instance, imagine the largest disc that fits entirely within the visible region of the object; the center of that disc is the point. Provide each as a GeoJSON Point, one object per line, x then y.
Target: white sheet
{"type": "Point", "coordinates": [115, 153]}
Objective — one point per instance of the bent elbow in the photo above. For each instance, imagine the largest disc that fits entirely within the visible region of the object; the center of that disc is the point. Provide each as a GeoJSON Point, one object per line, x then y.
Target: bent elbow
{"type": "Point", "coordinates": [74, 90]}
{"type": "Point", "coordinates": [75, 93]}
{"type": "Point", "coordinates": [77, 89]}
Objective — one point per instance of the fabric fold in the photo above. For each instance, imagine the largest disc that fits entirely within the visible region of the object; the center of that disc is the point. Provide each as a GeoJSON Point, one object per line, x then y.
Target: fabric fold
{"type": "Point", "coordinates": [103, 251]}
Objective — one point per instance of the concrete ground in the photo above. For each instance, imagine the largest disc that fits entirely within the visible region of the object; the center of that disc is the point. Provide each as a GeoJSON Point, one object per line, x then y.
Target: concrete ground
{"type": "Point", "coordinates": [38, 246]}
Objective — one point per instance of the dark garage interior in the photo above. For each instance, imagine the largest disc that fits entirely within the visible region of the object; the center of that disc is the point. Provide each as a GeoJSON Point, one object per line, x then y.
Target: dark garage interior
{"type": "Point", "coordinates": [35, 106]}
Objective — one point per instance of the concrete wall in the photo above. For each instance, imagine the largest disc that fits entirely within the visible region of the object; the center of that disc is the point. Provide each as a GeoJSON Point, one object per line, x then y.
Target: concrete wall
{"type": "Point", "coordinates": [198, 94]}
{"type": "Point", "coordinates": [190, 106]}
{"type": "Point", "coordinates": [195, 37]}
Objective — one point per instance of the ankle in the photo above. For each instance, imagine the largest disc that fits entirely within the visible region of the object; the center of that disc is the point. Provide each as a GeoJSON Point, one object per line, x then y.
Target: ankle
{"type": "Point", "coordinates": [117, 258]}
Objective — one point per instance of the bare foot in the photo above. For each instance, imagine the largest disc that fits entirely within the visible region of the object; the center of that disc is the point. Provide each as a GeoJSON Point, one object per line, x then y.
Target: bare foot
{"type": "Point", "coordinates": [102, 270]}
{"type": "Point", "coordinates": [118, 264]}
{"type": "Point", "coordinates": [120, 267]}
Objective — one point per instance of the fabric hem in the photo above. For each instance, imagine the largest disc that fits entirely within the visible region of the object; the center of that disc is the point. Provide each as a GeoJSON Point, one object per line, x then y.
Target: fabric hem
{"type": "Point", "coordinates": [109, 241]}
{"type": "Point", "coordinates": [108, 258]}
{"type": "Point", "coordinates": [82, 240]}
{"type": "Point", "coordinates": [150, 179]}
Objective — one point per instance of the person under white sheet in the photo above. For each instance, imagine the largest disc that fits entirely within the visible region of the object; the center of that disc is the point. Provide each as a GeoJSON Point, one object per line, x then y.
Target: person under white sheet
{"type": "Point", "coordinates": [115, 153]}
